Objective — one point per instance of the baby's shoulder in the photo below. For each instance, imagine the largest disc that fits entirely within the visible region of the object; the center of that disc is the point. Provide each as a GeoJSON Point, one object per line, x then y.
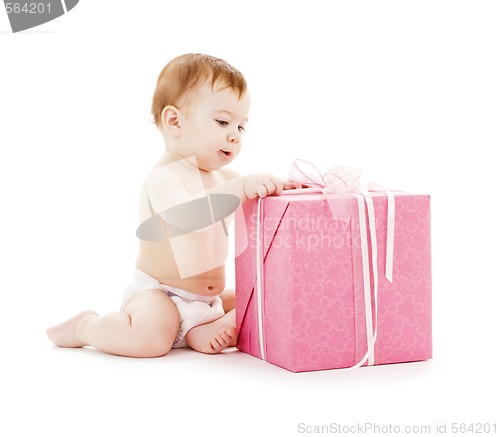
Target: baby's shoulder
{"type": "Point", "coordinates": [166, 175]}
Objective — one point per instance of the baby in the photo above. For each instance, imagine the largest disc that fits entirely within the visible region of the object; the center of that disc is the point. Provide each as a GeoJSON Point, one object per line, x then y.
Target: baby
{"type": "Point", "coordinates": [177, 297]}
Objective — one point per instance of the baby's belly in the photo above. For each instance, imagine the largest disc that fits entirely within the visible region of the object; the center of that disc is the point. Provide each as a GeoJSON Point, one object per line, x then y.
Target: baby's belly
{"type": "Point", "coordinates": [198, 272]}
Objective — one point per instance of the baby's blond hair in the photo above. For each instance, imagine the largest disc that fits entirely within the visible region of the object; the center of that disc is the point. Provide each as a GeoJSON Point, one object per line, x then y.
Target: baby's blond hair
{"type": "Point", "coordinates": [185, 73]}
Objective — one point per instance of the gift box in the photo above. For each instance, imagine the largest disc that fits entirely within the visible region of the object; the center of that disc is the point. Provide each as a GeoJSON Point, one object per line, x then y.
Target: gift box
{"type": "Point", "coordinates": [315, 291]}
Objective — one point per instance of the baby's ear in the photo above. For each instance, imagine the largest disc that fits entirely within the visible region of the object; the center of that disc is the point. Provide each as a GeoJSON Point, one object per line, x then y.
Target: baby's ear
{"type": "Point", "coordinates": [170, 120]}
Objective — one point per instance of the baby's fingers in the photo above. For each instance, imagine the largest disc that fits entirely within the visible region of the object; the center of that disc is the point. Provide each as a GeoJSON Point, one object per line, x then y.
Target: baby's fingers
{"type": "Point", "coordinates": [277, 186]}
{"type": "Point", "coordinates": [262, 190]}
{"type": "Point", "coordinates": [267, 188]}
{"type": "Point", "coordinates": [289, 185]}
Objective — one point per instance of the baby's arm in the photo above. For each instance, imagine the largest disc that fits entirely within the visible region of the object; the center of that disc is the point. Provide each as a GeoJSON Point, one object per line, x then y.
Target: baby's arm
{"type": "Point", "coordinates": [168, 187]}
{"type": "Point", "coordinates": [249, 187]}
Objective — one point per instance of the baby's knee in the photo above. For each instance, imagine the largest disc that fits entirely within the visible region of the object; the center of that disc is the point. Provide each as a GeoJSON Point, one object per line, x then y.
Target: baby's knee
{"type": "Point", "coordinates": [156, 338]}
{"type": "Point", "coordinates": [228, 300]}
{"type": "Point", "coordinates": [152, 349]}
{"type": "Point", "coordinates": [154, 344]}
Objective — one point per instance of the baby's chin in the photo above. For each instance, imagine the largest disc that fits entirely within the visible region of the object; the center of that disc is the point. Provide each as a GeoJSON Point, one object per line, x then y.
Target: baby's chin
{"type": "Point", "coordinates": [213, 164]}
{"type": "Point", "coordinates": [210, 166]}
{"type": "Point", "coordinates": [216, 167]}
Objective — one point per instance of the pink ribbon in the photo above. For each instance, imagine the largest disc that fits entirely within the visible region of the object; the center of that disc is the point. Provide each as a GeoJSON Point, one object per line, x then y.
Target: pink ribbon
{"type": "Point", "coordinates": [343, 182]}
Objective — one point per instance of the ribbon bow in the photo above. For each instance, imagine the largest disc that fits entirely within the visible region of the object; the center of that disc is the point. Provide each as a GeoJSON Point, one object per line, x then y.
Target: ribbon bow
{"type": "Point", "coordinates": [336, 184]}
{"type": "Point", "coordinates": [337, 179]}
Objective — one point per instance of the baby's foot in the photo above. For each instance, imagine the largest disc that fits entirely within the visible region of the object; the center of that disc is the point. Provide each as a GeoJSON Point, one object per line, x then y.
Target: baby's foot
{"type": "Point", "coordinates": [64, 334]}
{"type": "Point", "coordinates": [215, 336]}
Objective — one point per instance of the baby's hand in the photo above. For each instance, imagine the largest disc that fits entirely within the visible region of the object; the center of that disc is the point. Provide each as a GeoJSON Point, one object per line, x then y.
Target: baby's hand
{"type": "Point", "coordinates": [261, 185]}
{"type": "Point", "coordinates": [289, 185]}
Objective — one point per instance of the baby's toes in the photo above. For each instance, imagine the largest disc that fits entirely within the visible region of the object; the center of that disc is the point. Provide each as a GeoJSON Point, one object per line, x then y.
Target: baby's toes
{"type": "Point", "coordinates": [221, 341]}
{"type": "Point", "coordinates": [225, 338]}
{"type": "Point", "coordinates": [217, 342]}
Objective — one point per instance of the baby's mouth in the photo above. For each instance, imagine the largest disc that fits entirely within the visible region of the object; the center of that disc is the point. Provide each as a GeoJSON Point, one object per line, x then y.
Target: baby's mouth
{"type": "Point", "coordinates": [226, 153]}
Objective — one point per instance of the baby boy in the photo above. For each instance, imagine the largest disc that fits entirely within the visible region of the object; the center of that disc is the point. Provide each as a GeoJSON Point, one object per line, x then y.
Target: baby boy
{"type": "Point", "coordinates": [177, 296]}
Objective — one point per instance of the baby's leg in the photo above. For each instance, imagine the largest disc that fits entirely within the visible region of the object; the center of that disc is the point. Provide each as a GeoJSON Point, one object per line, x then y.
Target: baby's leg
{"type": "Point", "coordinates": [147, 328]}
{"type": "Point", "coordinates": [215, 336]}
{"type": "Point", "coordinates": [228, 300]}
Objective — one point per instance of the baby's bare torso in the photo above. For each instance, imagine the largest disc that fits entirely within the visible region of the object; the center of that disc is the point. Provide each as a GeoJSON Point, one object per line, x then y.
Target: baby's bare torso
{"type": "Point", "coordinates": [194, 261]}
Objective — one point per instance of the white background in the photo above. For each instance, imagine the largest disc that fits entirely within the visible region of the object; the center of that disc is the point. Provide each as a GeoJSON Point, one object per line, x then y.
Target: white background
{"type": "Point", "coordinates": [406, 91]}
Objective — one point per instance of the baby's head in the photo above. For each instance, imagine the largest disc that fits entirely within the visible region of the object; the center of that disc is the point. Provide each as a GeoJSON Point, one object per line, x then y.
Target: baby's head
{"type": "Point", "coordinates": [181, 77]}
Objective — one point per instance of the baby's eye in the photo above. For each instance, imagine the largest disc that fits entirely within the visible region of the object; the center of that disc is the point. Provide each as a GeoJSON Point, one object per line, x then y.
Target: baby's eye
{"type": "Point", "coordinates": [222, 122]}
{"type": "Point", "coordinates": [241, 128]}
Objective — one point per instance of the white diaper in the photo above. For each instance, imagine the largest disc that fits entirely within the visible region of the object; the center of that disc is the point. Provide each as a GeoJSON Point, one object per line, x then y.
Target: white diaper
{"type": "Point", "coordinates": [194, 309]}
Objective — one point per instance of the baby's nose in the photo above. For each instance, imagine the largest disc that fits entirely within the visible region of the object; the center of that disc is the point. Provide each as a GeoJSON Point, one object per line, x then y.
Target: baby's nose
{"type": "Point", "coordinates": [234, 137]}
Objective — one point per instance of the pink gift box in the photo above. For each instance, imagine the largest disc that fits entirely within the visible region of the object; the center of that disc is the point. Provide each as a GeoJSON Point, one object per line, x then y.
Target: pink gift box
{"type": "Point", "coordinates": [310, 312]}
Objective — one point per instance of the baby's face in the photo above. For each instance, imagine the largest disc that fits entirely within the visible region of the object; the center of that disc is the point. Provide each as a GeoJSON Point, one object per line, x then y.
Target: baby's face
{"type": "Point", "coordinates": [213, 126]}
